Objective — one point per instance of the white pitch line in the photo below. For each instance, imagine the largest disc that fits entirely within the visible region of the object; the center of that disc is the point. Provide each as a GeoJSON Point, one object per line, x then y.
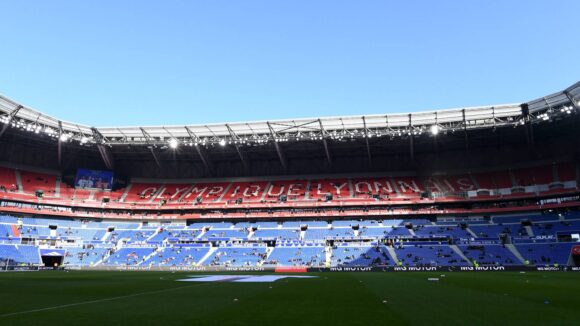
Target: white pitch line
{"type": "Point", "coordinates": [99, 300]}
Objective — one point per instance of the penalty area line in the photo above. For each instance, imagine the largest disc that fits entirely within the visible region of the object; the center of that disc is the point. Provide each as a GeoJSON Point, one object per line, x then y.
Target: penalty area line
{"type": "Point", "coordinates": [99, 300]}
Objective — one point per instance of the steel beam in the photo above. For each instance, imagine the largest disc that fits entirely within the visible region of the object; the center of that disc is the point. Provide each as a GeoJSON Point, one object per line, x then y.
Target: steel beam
{"type": "Point", "coordinates": [411, 140]}
{"type": "Point", "coordinates": [11, 116]}
{"type": "Point", "coordinates": [235, 140]}
{"type": "Point", "coordinates": [325, 143]}
{"type": "Point", "coordinates": [572, 100]}
{"type": "Point", "coordinates": [204, 159]}
{"type": "Point", "coordinates": [151, 144]}
{"type": "Point", "coordinates": [278, 147]}
{"type": "Point", "coordinates": [367, 141]}
{"type": "Point", "coordinates": [103, 149]}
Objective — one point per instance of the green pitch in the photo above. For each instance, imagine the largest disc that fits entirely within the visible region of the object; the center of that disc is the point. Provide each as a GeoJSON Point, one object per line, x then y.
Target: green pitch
{"type": "Point", "coordinates": [152, 298]}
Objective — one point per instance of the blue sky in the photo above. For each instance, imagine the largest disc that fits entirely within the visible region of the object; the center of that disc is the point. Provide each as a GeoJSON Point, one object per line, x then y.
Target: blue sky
{"type": "Point", "coordinates": [135, 62]}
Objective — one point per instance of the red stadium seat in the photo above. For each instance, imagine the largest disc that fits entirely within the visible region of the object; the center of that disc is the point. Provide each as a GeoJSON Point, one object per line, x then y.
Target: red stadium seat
{"type": "Point", "coordinates": [32, 181]}
{"type": "Point", "coordinates": [8, 179]}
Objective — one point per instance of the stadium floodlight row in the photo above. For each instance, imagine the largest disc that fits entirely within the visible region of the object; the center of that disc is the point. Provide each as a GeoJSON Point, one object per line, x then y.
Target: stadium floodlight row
{"type": "Point", "coordinates": [553, 106]}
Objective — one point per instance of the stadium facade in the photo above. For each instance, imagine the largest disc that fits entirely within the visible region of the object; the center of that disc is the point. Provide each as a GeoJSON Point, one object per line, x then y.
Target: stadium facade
{"type": "Point", "coordinates": [493, 187]}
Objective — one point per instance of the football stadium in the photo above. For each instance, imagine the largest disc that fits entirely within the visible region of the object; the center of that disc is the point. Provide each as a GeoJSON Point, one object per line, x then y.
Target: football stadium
{"type": "Point", "coordinates": [361, 213]}
{"type": "Point", "coordinates": [456, 216]}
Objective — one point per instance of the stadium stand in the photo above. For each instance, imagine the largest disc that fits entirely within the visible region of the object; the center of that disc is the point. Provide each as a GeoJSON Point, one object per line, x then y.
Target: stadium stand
{"type": "Point", "coordinates": [304, 192]}
{"type": "Point", "coordinates": [504, 241]}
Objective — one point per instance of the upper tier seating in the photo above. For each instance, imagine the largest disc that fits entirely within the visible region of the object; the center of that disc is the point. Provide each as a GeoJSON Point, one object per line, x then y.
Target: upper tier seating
{"type": "Point", "coordinates": [32, 181]}
{"type": "Point", "coordinates": [546, 179]}
{"type": "Point", "coordinates": [8, 180]}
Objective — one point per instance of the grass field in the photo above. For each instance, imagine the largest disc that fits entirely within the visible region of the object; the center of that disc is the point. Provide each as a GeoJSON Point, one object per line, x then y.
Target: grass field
{"type": "Point", "coordinates": [147, 298]}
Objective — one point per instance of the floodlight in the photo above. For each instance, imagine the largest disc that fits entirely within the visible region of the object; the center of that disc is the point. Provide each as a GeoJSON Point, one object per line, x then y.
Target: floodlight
{"type": "Point", "coordinates": [173, 143]}
{"type": "Point", "coordinates": [434, 130]}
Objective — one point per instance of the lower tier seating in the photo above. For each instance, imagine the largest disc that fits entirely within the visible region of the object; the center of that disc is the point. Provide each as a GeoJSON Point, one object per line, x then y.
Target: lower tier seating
{"type": "Point", "coordinates": [527, 239]}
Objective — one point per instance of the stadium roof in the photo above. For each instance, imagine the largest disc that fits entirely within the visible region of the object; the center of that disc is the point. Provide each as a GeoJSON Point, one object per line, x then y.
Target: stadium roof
{"type": "Point", "coordinates": [286, 137]}
{"type": "Point", "coordinates": [257, 132]}
{"type": "Point", "coordinates": [296, 146]}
